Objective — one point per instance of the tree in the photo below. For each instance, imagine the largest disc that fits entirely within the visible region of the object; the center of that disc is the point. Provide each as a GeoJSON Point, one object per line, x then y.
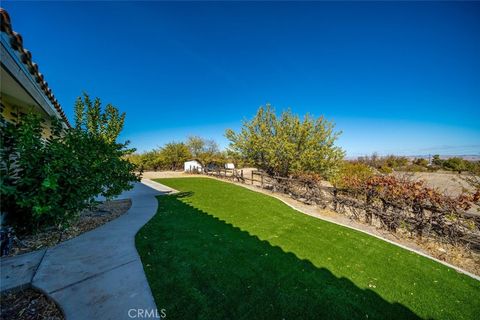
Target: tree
{"type": "Point", "coordinates": [153, 160]}
{"type": "Point", "coordinates": [287, 145]}
{"type": "Point", "coordinates": [436, 160]}
{"type": "Point", "coordinates": [89, 117]}
{"type": "Point", "coordinates": [196, 145]}
{"type": "Point", "coordinates": [175, 154]}
{"type": "Point", "coordinates": [150, 160]}
{"type": "Point", "coordinates": [210, 153]}
{"type": "Point", "coordinates": [205, 150]}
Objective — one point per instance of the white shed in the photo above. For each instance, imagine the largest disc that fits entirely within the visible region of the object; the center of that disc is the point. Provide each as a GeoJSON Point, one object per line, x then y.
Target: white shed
{"type": "Point", "coordinates": [229, 166]}
{"type": "Point", "coordinates": [192, 165]}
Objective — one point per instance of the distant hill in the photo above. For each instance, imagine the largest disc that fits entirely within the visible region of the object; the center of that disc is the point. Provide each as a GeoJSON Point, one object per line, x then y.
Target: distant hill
{"type": "Point", "coordinates": [469, 157]}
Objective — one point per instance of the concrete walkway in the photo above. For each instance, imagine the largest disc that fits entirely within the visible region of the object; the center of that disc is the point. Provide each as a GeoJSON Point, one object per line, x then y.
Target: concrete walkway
{"type": "Point", "coordinates": [97, 275]}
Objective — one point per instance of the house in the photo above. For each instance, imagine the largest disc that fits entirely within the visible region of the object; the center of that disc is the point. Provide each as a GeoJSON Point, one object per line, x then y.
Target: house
{"type": "Point", "coordinates": [229, 166]}
{"type": "Point", "coordinates": [23, 88]}
{"type": "Point", "coordinates": [193, 165]}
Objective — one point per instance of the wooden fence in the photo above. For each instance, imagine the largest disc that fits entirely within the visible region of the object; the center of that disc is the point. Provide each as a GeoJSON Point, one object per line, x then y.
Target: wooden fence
{"type": "Point", "coordinates": [418, 220]}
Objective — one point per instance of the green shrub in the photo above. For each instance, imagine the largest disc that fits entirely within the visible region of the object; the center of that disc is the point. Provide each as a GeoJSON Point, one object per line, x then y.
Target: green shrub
{"type": "Point", "coordinates": [46, 182]}
{"type": "Point", "coordinates": [352, 174]}
{"type": "Point", "coordinates": [392, 161]}
{"type": "Point", "coordinates": [175, 154]}
{"type": "Point", "coordinates": [455, 164]}
{"type": "Point", "coordinates": [385, 169]}
{"type": "Point", "coordinates": [473, 167]}
{"type": "Point", "coordinates": [150, 160]}
{"type": "Point", "coordinates": [421, 162]}
{"type": "Point", "coordinates": [437, 161]}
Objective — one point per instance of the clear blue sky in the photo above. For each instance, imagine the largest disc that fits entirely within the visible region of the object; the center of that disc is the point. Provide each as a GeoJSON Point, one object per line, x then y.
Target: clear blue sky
{"type": "Point", "coordinates": [398, 78]}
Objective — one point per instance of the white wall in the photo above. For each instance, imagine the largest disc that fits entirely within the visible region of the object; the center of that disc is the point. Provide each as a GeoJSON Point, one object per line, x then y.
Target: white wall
{"type": "Point", "coordinates": [191, 165]}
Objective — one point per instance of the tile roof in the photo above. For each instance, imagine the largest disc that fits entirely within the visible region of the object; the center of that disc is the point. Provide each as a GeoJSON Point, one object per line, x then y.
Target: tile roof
{"type": "Point", "coordinates": [16, 43]}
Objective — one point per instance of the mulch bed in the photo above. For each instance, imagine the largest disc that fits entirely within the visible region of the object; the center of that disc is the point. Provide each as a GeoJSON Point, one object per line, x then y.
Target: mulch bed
{"type": "Point", "coordinates": [88, 220]}
{"type": "Point", "coordinates": [28, 304]}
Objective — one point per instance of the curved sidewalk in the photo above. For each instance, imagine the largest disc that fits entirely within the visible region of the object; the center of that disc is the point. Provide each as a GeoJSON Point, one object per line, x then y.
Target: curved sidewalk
{"type": "Point", "coordinates": [99, 275]}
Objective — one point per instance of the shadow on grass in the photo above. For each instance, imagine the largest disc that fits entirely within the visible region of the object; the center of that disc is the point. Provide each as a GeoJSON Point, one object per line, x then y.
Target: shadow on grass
{"type": "Point", "coordinates": [200, 267]}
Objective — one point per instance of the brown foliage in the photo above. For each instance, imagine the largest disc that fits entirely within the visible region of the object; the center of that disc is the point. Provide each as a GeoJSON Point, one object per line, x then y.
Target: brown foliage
{"type": "Point", "coordinates": [422, 210]}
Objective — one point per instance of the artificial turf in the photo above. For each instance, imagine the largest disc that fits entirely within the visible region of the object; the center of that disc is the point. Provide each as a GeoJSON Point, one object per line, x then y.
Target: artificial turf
{"type": "Point", "coordinates": [220, 251]}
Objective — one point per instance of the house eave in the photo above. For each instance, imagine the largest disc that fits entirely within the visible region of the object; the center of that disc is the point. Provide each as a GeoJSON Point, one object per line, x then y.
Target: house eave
{"type": "Point", "coordinates": [16, 69]}
{"type": "Point", "coordinates": [17, 62]}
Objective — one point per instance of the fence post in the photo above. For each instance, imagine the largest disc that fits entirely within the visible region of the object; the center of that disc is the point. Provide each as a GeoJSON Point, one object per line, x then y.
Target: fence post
{"type": "Point", "coordinates": [335, 200]}
{"type": "Point", "coordinates": [368, 209]}
{"type": "Point", "coordinates": [241, 173]}
{"type": "Point", "coordinates": [261, 178]}
{"type": "Point", "coordinates": [252, 176]}
{"type": "Point", "coordinates": [418, 211]}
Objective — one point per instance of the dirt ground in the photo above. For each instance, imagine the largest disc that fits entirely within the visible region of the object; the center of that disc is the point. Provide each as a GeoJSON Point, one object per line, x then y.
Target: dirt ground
{"type": "Point", "coordinates": [450, 183]}
{"type": "Point", "coordinates": [460, 257]}
{"type": "Point", "coordinates": [164, 174]}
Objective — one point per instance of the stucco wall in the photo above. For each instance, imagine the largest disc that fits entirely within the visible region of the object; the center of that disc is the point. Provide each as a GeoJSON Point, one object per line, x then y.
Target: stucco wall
{"type": "Point", "coordinates": [11, 112]}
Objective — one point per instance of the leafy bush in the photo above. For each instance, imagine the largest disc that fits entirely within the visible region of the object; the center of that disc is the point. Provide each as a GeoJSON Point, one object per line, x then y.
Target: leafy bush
{"type": "Point", "coordinates": [352, 175]}
{"type": "Point", "coordinates": [473, 167]}
{"type": "Point", "coordinates": [385, 169]}
{"type": "Point", "coordinates": [46, 182]}
{"type": "Point", "coordinates": [394, 162]}
{"type": "Point", "coordinates": [150, 160]}
{"type": "Point", "coordinates": [421, 162]}
{"type": "Point", "coordinates": [455, 164]}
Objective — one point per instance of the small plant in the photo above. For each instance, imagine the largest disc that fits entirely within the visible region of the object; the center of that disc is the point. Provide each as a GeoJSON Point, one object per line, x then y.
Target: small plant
{"type": "Point", "coordinates": [385, 169]}
{"type": "Point", "coordinates": [455, 164]}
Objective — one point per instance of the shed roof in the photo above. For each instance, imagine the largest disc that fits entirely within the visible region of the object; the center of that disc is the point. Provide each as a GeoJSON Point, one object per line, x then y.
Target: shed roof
{"type": "Point", "coordinates": [197, 160]}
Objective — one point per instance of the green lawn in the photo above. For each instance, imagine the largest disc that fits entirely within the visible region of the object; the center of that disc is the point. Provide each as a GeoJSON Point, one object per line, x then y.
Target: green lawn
{"type": "Point", "coordinates": [220, 251]}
